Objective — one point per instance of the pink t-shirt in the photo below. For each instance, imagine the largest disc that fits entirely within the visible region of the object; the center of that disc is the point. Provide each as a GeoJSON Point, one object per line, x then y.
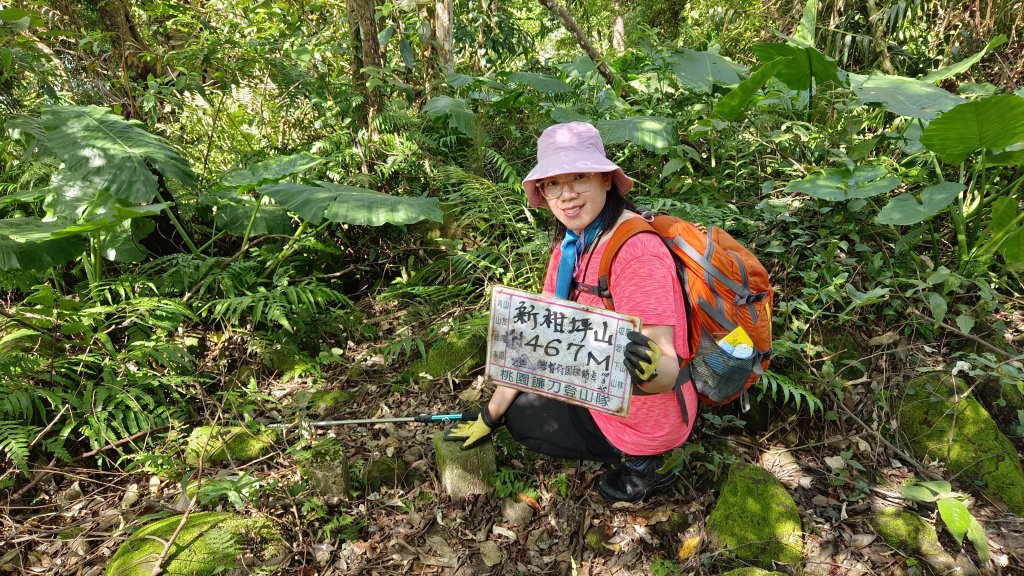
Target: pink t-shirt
{"type": "Point", "coordinates": [643, 284]}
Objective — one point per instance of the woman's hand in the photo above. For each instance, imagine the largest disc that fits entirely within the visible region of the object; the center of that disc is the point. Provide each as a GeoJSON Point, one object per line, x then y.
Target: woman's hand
{"type": "Point", "coordinates": [651, 360]}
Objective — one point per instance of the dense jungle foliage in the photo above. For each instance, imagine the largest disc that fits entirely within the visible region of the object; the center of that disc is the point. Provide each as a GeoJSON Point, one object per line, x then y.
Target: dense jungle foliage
{"type": "Point", "coordinates": [211, 210]}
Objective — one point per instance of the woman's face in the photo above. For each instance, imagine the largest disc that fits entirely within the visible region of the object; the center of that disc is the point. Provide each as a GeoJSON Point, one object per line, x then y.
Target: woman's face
{"type": "Point", "coordinates": [576, 199]}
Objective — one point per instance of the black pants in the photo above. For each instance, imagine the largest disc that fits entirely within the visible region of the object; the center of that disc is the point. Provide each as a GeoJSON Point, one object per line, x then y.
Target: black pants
{"type": "Point", "coordinates": [557, 429]}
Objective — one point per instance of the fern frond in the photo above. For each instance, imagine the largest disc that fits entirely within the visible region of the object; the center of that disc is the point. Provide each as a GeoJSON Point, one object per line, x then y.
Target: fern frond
{"type": "Point", "coordinates": [774, 384]}
{"type": "Point", "coordinates": [14, 440]}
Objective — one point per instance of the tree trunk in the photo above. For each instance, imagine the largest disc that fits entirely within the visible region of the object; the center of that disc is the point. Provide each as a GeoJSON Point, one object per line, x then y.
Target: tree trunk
{"type": "Point", "coordinates": [570, 24]}
{"type": "Point", "coordinates": [128, 44]}
{"type": "Point", "coordinates": [618, 28]}
{"type": "Point", "coordinates": [363, 23]}
{"type": "Point", "coordinates": [443, 36]}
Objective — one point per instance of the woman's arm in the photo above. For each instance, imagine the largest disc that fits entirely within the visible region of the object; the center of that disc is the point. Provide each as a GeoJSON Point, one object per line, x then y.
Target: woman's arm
{"type": "Point", "coordinates": [668, 364]}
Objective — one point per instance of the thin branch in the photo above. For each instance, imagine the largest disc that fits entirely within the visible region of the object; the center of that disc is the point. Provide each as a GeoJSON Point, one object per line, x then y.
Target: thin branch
{"type": "Point", "coordinates": [913, 461]}
{"type": "Point", "coordinates": [968, 336]}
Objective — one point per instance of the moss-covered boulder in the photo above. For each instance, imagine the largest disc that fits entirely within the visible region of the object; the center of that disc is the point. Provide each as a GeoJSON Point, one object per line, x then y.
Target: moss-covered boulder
{"type": "Point", "coordinates": [756, 519]}
{"type": "Point", "coordinates": [384, 472]}
{"type": "Point", "coordinates": [961, 433]}
{"type": "Point", "coordinates": [840, 347]}
{"type": "Point", "coordinates": [751, 571]}
{"type": "Point", "coordinates": [456, 356]}
{"type": "Point", "coordinates": [327, 469]}
{"type": "Point", "coordinates": [228, 444]}
{"type": "Point", "coordinates": [209, 543]}
{"type": "Point", "coordinates": [909, 534]}
{"type": "Point", "coordinates": [464, 472]}
{"type": "Point", "coordinates": [328, 403]}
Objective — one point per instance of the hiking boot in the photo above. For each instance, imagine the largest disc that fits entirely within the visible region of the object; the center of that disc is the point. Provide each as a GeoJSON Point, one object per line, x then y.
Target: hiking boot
{"type": "Point", "coordinates": [635, 479]}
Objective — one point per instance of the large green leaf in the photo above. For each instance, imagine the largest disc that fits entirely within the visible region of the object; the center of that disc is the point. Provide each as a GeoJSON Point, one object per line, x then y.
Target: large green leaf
{"type": "Point", "coordinates": [270, 170]}
{"type": "Point", "coordinates": [838, 184]}
{"type": "Point", "coordinates": [805, 69]}
{"type": "Point", "coordinates": [955, 516]}
{"type": "Point", "coordinates": [455, 110]}
{"type": "Point", "coordinates": [808, 23]}
{"type": "Point", "coordinates": [906, 209]}
{"type": "Point", "coordinates": [1006, 223]}
{"type": "Point", "coordinates": [38, 255]}
{"type": "Point", "coordinates": [732, 105]}
{"type": "Point", "coordinates": [965, 64]}
{"type": "Point", "coordinates": [351, 205]}
{"type": "Point", "coordinates": [904, 96]}
{"type": "Point", "coordinates": [994, 123]}
{"type": "Point", "coordinates": [539, 82]}
{"type": "Point", "coordinates": [103, 151]}
{"type": "Point", "coordinates": [976, 534]}
{"type": "Point", "coordinates": [652, 132]}
{"type": "Point", "coordinates": [701, 70]}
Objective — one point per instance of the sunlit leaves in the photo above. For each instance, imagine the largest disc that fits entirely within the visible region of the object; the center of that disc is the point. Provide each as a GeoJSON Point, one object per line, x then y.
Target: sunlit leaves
{"type": "Point", "coordinates": [732, 105]}
{"type": "Point", "coordinates": [907, 209]}
{"type": "Point", "coordinates": [994, 123]}
{"type": "Point", "coordinates": [903, 96]}
{"type": "Point", "coordinates": [351, 205]}
{"type": "Point", "coordinates": [270, 170]}
{"type": "Point", "coordinates": [651, 132]}
{"type": "Point", "coordinates": [454, 110]}
{"type": "Point", "coordinates": [838, 184]}
{"type": "Point", "coordinates": [539, 82]}
{"type": "Point", "coordinates": [1008, 227]}
{"type": "Point", "coordinates": [806, 69]}
{"type": "Point", "coordinates": [699, 71]}
{"type": "Point", "coordinates": [965, 64]}
{"type": "Point", "coordinates": [102, 151]}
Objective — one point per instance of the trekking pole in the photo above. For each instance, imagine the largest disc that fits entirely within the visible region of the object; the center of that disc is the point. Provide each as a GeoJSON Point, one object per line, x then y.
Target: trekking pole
{"type": "Point", "coordinates": [426, 418]}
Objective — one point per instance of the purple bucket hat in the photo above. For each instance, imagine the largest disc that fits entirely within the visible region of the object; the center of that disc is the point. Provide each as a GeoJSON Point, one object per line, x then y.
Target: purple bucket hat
{"type": "Point", "coordinates": [566, 149]}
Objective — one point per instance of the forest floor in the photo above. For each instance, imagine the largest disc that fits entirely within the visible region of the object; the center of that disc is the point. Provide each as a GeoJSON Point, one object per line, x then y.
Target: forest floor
{"type": "Point", "coordinates": [70, 520]}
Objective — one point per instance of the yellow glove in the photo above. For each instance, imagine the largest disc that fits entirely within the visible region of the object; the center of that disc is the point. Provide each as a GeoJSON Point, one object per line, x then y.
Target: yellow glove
{"type": "Point", "coordinates": [641, 358]}
{"type": "Point", "coordinates": [475, 432]}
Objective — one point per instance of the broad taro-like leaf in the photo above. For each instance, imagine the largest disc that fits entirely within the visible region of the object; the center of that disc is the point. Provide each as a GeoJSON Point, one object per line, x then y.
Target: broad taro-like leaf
{"type": "Point", "coordinates": [906, 209]}
{"type": "Point", "coordinates": [700, 71]}
{"type": "Point", "coordinates": [123, 243]}
{"type": "Point", "coordinates": [732, 105]}
{"type": "Point", "coordinates": [539, 82]}
{"type": "Point", "coordinates": [927, 491]}
{"type": "Point", "coordinates": [805, 69]}
{"type": "Point", "coordinates": [103, 151]}
{"type": "Point", "coordinates": [37, 255]}
{"type": "Point", "coordinates": [455, 110]}
{"type": "Point", "coordinates": [904, 96]}
{"type": "Point", "coordinates": [652, 132]}
{"type": "Point", "coordinates": [995, 123]}
{"type": "Point", "coordinates": [838, 184]}
{"type": "Point", "coordinates": [955, 516]}
{"type": "Point", "coordinates": [805, 30]}
{"type": "Point", "coordinates": [351, 205]}
{"type": "Point", "coordinates": [270, 170]}
{"type": "Point", "coordinates": [965, 64]}
{"type": "Point", "coordinates": [1007, 224]}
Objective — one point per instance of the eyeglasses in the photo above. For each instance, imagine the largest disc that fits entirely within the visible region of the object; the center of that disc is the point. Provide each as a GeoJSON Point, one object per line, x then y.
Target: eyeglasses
{"type": "Point", "coordinates": [580, 183]}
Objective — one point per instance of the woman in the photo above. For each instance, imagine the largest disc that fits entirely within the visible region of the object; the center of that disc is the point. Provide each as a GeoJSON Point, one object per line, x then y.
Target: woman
{"type": "Point", "coordinates": [586, 193]}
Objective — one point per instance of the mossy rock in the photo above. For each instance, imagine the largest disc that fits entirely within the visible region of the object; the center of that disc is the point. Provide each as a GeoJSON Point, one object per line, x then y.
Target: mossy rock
{"type": "Point", "coordinates": [464, 472]}
{"type": "Point", "coordinates": [209, 543]}
{"type": "Point", "coordinates": [328, 403]}
{"type": "Point", "coordinates": [751, 571]}
{"type": "Point", "coordinates": [384, 472]}
{"type": "Point", "coordinates": [327, 469]}
{"type": "Point", "coordinates": [756, 519]}
{"type": "Point", "coordinates": [911, 535]}
{"type": "Point", "coordinates": [455, 356]}
{"type": "Point", "coordinates": [228, 443]}
{"type": "Point", "coordinates": [962, 435]}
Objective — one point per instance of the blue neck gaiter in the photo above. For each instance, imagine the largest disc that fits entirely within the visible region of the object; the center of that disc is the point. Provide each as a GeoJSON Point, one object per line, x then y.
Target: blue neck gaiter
{"type": "Point", "coordinates": [572, 248]}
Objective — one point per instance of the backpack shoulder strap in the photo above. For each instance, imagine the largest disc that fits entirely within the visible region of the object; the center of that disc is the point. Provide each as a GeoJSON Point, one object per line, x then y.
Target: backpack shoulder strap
{"type": "Point", "coordinates": [624, 232]}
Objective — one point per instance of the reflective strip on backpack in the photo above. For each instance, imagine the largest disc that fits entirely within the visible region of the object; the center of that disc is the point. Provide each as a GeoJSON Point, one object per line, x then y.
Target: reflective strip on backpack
{"type": "Point", "coordinates": [716, 314]}
{"type": "Point", "coordinates": [746, 286]}
{"type": "Point", "coordinates": [711, 269]}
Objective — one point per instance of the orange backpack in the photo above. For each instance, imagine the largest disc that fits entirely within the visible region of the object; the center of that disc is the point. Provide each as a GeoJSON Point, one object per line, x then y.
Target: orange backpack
{"type": "Point", "coordinates": [725, 289]}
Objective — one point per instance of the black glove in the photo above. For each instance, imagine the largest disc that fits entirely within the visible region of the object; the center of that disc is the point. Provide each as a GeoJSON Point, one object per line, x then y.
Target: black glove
{"type": "Point", "coordinates": [641, 358]}
{"type": "Point", "coordinates": [475, 432]}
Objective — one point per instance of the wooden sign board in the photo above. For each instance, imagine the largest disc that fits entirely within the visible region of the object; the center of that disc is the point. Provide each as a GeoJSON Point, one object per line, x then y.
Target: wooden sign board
{"type": "Point", "coordinates": [559, 348]}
